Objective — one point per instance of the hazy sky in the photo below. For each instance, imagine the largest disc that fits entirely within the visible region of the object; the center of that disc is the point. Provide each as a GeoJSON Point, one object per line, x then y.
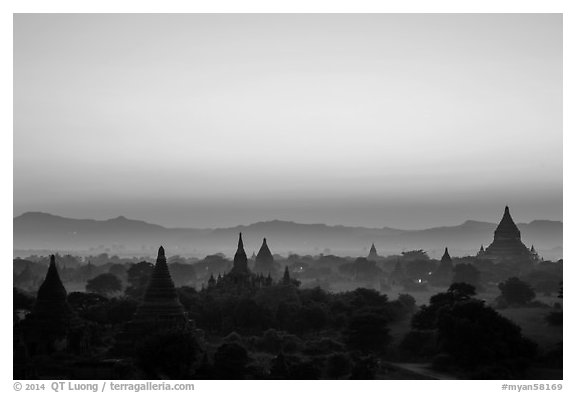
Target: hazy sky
{"type": "Point", "coordinates": [407, 121]}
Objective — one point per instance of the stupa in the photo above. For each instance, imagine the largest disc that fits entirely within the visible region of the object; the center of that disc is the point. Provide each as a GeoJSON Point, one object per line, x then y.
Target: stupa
{"type": "Point", "coordinates": [373, 254]}
{"type": "Point", "coordinates": [507, 245]}
{"type": "Point", "coordinates": [240, 266]}
{"type": "Point", "coordinates": [160, 306]}
{"type": "Point", "coordinates": [47, 327]}
{"type": "Point", "coordinates": [264, 263]}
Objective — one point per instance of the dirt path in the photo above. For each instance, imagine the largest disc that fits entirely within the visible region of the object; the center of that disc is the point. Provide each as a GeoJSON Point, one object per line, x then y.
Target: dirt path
{"type": "Point", "coordinates": [422, 369]}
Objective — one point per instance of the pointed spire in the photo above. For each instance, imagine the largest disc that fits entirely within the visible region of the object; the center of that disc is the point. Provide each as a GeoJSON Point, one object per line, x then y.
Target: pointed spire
{"type": "Point", "coordinates": [240, 243]}
{"type": "Point", "coordinates": [507, 228]}
{"type": "Point", "coordinates": [264, 262]}
{"type": "Point", "coordinates": [373, 254]}
{"type": "Point", "coordinates": [160, 298]}
{"type": "Point", "coordinates": [240, 260]}
{"type": "Point", "coordinates": [51, 298]}
{"type": "Point", "coordinates": [481, 247]}
{"type": "Point", "coordinates": [286, 277]}
{"type": "Point", "coordinates": [446, 257]}
{"type": "Point", "coordinates": [507, 244]}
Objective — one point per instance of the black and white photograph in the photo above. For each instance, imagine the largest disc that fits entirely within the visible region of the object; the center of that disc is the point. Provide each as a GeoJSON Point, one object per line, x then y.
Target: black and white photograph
{"type": "Point", "coordinates": [287, 196]}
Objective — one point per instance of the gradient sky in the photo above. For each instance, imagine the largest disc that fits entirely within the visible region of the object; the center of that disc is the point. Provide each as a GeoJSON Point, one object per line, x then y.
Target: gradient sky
{"type": "Point", "coordinates": [401, 120]}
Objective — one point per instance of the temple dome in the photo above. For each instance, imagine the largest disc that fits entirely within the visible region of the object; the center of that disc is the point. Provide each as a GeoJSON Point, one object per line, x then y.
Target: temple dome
{"type": "Point", "coordinates": [264, 262]}
{"type": "Point", "coordinates": [507, 244]}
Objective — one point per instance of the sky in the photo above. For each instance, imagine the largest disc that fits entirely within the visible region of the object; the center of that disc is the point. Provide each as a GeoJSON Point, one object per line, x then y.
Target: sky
{"type": "Point", "coordinates": [212, 120]}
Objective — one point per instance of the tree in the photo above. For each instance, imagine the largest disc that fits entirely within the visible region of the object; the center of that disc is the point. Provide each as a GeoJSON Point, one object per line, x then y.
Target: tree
{"type": "Point", "coordinates": [472, 333]}
{"type": "Point", "coordinates": [169, 353]}
{"type": "Point", "coordinates": [138, 275]}
{"type": "Point", "coordinates": [22, 300]}
{"type": "Point", "coordinates": [475, 334]}
{"type": "Point", "coordinates": [104, 284]}
{"type": "Point", "coordinates": [230, 361]}
{"type": "Point", "coordinates": [462, 291]}
{"type": "Point", "coordinates": [367, 332]}
{"type": "Point", "coordinates": [516, 291]}
{"type": "Point", "coordinates": [467, 273]}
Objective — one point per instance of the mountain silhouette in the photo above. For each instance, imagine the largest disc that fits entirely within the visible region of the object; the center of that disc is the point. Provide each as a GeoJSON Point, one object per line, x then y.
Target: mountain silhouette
{"type": "Point", "coordinates": [42, 231]}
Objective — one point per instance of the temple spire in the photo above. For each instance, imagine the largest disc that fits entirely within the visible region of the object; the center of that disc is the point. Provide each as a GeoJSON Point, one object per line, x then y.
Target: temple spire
{"type": "Point", "coordinates": [240, 244]}
{"type": "Point", "coordinates": [286, 278]}
{"type": "Point", "coordinates": [51, 298]}
{"type": "Point", "coordinates": [507, 244]}
{"type": "Point", "coordinates": [264, 262]}
{"type": "Point", "coordinates": [373, 254]}
{"type": "Point", "coordinates": [446, 255]}
{"type": "Point", "coordinates": [507, 228]}
{"type": "Point", "coordinates": [160, 299]}
{"type": "Point", "coordinates": [240, 259]}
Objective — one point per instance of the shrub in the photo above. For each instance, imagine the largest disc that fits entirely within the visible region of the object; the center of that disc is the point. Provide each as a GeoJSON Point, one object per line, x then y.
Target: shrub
{"type": "Point", "coordinates": [555, 318]}
{"type": "Point", "coordinates": [338, 365]}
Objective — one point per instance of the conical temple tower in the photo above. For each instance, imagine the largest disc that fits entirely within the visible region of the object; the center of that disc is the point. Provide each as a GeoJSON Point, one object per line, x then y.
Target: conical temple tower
{"type": "Point", "coordinates": [51, 303]}
{"type": "Point", "coordinates": [264, 263]}
{"type": "Point", "coordinates": [445, 266]}
{"type": "Point", "coordinates": [240, 266]}
{"type": "Point", "coordinates": [160, 305]}
{"type": "Point", "coordinates": [446, 258]}
{"type": "Point", "coordinates": [442, 276]}
{"type": "Point", "coordinates": [373, 254]}
{"type": "Point", "coordinates": [159, 310]}
{"type": "Point", "coordinates": [47, 328]}
{"type": "Point", "coordinates": [507, 244]}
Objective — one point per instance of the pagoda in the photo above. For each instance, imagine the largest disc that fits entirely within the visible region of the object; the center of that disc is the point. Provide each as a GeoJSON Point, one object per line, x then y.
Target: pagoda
{"type": "Point", "coordinates": [160, 310]}
{"type": "Point", "coordinates": [47, 328]}
{"type": "Point", "coordinates": [507, 245]}
{"type": "Point", "coordinates": [443, 274]}
{"type": "Point", "coordinates": [373, 254]}
{"type": "Point", "coordinates": [51, 299]}
{"type": "Point", "coordinates": [264, 263]}
{"type": "Point", "coordinates": [240, 280]}
{"type": "Point", "coordinates": [240, 266]}
{"type": "Point", "coordinates": [160, 306]}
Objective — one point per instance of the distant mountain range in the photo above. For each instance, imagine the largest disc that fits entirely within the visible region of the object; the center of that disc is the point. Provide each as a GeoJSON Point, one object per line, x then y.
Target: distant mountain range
{"type": "Point", "coordinates": [123, 236]}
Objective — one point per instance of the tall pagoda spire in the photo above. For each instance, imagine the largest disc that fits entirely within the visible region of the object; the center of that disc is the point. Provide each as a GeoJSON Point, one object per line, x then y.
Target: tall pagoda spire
{"type": "Point", "coordinates": [51, 298]}
{"type": "Point", "coordinates": [507, 229]}
{"type": "Point", "coordinates": [240, 258]}
{"type": "Point", "coordinates": [446, 257]}
{"type": "Point", "coordinates": [373, 254]}
{"type": "Point", "coordinates": [160, 302]}
{"type": "Point", "coordinates": [286, 277]}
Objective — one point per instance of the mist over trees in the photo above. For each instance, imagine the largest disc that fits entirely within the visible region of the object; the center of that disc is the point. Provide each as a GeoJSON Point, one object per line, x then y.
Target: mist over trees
{"type": "Point", "coordinates": [304, 323]}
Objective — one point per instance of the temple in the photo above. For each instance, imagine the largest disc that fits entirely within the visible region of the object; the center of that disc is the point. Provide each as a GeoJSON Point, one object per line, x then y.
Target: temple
{"type": "Point", "coordinates": [240, 266]}
{"type": "Point", "coordinates": [49, 326]}
{"type": "Point", "coordinates": [241, 280]}
{"type": "Point", "coordinates": [442, 276]}
{"type": "Point", "coordinates": [373, 254]}
{"type": "Point", "coordinates": [160, 305]}
{"type": "Point", "coordinates": [159, 310]}
{"type": "Point", "coordinates": [507, 245]}
{"type": "Point", "coordinates": [264, 263]}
